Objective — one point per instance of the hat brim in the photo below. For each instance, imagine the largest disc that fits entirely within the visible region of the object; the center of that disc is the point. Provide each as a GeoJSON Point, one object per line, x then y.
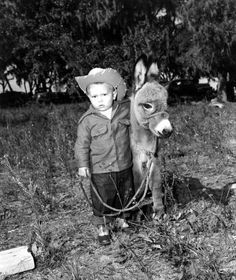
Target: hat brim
{"type": "Point", "coordinates": [109, 76]}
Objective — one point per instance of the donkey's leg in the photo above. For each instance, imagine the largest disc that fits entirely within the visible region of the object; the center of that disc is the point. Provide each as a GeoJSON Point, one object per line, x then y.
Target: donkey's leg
{"type": "Point", "coordinates": [139, 167]}
{"type": "Point", "coordinates": [156, 187]}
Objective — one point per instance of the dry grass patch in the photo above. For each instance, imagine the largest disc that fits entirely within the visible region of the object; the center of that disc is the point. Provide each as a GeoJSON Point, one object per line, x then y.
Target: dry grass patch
{"type": "Point", "coordinates": [42, 205]}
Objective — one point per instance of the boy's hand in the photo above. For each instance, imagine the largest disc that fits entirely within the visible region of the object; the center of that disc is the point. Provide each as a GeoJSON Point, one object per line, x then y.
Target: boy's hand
{"type": "Point", "coordinates": [84, 172]}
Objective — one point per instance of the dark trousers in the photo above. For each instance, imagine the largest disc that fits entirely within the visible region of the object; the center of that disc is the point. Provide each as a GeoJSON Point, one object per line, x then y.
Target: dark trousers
{"type": "Point", "coordinates": [116, 189]}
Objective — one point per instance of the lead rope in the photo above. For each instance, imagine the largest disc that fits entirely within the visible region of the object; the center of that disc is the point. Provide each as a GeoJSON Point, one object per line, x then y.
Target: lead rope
{"type": "Point", "coordinates": [127, 207]}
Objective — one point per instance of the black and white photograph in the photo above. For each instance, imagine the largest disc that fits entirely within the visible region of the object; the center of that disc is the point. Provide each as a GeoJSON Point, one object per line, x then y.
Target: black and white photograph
{"type": "Point", "coordinates": [117, 140]}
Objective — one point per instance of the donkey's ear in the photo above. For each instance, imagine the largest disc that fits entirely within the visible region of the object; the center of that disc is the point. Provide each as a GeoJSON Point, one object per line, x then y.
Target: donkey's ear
{"type": "Point", "coordinates": [140, 70]}
{"type": "Point", "coordinates": [153, 71]}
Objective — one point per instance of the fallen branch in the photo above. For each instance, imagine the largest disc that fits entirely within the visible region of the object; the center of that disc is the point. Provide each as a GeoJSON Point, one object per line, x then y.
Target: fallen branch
{"type": "Point", "coordinates": [15, 260]}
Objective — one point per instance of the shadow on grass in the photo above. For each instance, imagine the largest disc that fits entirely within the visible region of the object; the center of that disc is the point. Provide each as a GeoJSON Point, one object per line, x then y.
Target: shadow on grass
{"type": "Point", "coordinates": [182, 191]}
{"type": "Point", "coordinates": [191, 189]}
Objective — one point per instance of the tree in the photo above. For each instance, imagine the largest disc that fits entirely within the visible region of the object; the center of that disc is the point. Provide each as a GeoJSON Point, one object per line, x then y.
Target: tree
{"type": "Point", "coordinates": [46, 43]}
{"type": "Point", "coordinates": [54, 40]}
{"type": "Point", "coordinates": [211, 28]}
{"type": "Point", "coordinates": [117, 32]}
{"type": "Point", "coordinates": [36, 41]}
{"type": "Point", "coordinates": [9, 28]}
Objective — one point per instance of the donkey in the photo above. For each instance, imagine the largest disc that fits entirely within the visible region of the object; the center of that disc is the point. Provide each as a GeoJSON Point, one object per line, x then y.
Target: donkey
{"type": "Point", "coordinates": [149, 122]}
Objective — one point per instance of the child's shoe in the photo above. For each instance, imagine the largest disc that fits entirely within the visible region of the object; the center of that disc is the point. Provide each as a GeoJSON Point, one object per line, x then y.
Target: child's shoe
{"type": "Point", "coordinates": [104, 235]}
{"type": "Point", "coordinates": [121, 224]}
{"type": "Point", "coordinates": [124, 224]}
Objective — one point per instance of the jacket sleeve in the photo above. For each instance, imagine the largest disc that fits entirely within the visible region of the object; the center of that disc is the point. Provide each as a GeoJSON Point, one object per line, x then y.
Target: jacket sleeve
{"type": "Point", "coordinates": [82, 145]}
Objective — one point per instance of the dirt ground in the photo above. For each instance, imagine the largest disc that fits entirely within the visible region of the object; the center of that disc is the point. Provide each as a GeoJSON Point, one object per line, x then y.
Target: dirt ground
{"type": "Point", "coordinates": [64, 242]}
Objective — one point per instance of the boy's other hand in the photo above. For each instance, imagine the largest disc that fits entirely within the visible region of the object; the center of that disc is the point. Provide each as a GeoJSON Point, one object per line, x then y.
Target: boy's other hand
{"type": "Point", "coordinates": [84, 172]}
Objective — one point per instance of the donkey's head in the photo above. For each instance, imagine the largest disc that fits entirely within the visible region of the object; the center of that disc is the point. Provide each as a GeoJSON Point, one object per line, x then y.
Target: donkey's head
{"type": "Point", "coordinates": [150, 99]}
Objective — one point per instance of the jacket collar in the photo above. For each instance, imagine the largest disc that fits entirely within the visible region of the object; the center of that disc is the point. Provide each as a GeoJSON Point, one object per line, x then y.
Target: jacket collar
{"type": "Point", "coordinates": [91, 109]}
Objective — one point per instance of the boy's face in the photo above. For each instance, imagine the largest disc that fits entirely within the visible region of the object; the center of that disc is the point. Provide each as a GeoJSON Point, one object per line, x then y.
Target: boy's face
{"type": "Point", "coordinates": [101, 96]}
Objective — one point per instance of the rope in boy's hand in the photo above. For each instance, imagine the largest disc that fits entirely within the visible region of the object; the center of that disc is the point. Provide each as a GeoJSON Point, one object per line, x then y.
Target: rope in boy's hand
{"type": "Point", "coordinates": [128, 207]}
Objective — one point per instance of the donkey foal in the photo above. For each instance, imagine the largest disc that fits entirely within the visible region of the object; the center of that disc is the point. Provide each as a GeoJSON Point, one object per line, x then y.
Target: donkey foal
{"type": "Point", "coordinates": [149, 121]}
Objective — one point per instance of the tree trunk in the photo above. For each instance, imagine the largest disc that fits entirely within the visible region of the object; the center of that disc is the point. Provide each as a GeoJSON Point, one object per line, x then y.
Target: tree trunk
{"type": "Point", "coordinates": [25, 86]}
{"type": "Point", "coordinates": [230, 89]}
{"type": "Point", "coordinates": [221, 88]}
{"type": "Point", "coordinates": [8, 83]}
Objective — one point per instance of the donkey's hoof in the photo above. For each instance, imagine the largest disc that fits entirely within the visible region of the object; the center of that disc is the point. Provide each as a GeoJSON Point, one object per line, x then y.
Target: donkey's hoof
{"type": "Point", "coordinates": [158, 215]}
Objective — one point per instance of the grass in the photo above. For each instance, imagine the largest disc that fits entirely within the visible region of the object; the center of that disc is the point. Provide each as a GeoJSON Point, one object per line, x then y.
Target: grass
{"type": "Point", "coordinates": [42, 205]}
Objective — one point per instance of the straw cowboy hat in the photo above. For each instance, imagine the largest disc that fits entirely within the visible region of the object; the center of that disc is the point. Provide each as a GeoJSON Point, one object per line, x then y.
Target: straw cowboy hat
{"type": "Point", "coordinates": [100, 75]}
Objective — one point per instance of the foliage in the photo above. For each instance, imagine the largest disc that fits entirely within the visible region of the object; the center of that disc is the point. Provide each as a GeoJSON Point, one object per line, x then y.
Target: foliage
{"type": "Point", "coordinates": [211, 30]}
{"type": "Point", "coordinates": [42, 45]}
{"type": "Point", "coordinates": [49, 42]}
{"type": "Point", "coordinates": [10, 26]}
{"type": "Point", "coordinates": [59, 39]}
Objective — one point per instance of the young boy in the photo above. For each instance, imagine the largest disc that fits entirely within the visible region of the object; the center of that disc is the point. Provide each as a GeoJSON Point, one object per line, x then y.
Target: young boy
{"type": "Point", "coordinates": [102, 147]}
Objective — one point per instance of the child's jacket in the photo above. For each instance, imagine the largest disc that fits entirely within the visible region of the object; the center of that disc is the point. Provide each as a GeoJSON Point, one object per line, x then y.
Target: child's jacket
{"type": "Point", "coordinates": [102, 144]}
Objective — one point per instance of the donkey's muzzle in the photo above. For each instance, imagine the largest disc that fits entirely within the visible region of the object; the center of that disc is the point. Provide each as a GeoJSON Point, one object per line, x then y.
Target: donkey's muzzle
{"type": "Point", "coordinates": [166, 133]}
{"type": "Point", "coordinates": [161, 128]}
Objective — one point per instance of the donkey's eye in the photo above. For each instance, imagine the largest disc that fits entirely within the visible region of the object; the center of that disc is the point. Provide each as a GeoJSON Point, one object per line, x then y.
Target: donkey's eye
{"type": "Point", "coordinates": [147, 106]}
